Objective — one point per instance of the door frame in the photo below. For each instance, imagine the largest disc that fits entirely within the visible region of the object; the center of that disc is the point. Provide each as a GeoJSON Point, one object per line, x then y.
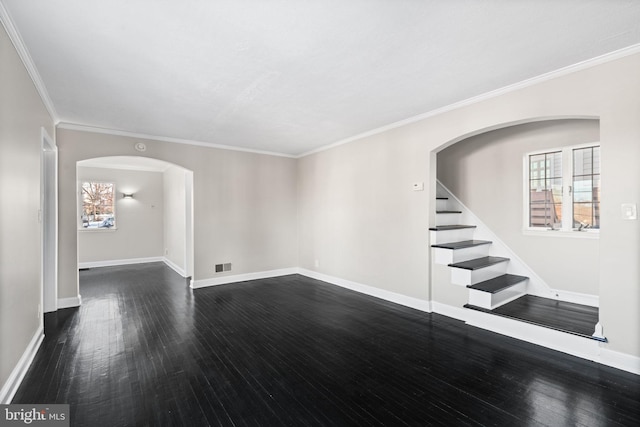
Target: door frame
{"type": "Point", "coordinates": [49, 222]}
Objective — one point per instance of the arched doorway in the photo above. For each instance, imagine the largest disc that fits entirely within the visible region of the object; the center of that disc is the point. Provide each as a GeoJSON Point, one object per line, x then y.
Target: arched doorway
{"type": "Point", "coordinates": [145, 213]}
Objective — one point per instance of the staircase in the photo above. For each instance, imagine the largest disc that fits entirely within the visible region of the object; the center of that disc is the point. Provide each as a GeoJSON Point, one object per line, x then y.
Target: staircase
{"type": "Point", "coordinates": [493, 287]}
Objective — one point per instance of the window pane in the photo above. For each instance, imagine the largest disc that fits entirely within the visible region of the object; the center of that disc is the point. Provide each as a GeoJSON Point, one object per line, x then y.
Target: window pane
{"type": "Point", "coordinates": [586, 187]}
{"type": "Point", "coordinates": [586, 215]}
{"type": "Point", "coordinates": [555, 165]}
{"type": "Point", "coordinates": [543, 212]}
{"type": "Point", "coordinates": [582, 189]}
{"type": "Point", "coordinates": [596, 188]}
{"type": "Point", "coordinates": [596, 160]}
{"type": "Point", "coordinates": [536, 164]}
{"type": "Point", "coordinates": [556, 188]}
{"type": "Point", "coordinates": [545, 189]}
{"type": "Point", "coordinates": [98, 205]}
{"type": "Point", "coordinates": [582, 161]}
{"type": "Point", "coordinates": [596, 215]}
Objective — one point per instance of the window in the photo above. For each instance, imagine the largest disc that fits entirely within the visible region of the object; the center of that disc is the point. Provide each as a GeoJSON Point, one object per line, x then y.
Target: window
{"type": "Point", "coordinates": [563, 189]}
{"type": "Point", "coordinates": [98, 205]}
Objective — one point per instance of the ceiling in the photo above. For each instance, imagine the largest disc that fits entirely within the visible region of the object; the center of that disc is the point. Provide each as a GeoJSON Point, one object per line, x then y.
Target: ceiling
{"type": "Point", "coordinates": [289, 77]}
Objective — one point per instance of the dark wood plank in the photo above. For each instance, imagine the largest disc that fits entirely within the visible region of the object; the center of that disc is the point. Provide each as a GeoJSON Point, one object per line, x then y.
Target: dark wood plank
{"type": "Point", "coordinates": [478, 263]}
{"type": "Point", "coordinates": [462, 244]}
{"type": "Point", "coordinates": [145, 350]}
{"type": "Point", "coordinates": [451, 227]}
{"type": "Point", "coordinates": [498, 284]}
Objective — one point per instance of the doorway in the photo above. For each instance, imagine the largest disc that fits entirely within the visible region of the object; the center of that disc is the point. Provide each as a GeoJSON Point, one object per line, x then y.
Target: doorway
{"type": "Point", "coordinates": [152, 214]}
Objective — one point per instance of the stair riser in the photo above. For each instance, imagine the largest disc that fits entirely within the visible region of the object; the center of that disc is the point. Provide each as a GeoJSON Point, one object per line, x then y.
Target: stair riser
{"type": "Point", "coordinates": [448, 236]}
{"type": "Point", "coordinates": [442, 205]}
{"type": "Point", "coordinates": [448, 218]}
{"type": "Point", "coordinates": [450, 256]}
{"type": "Point", "coordinates": [460, 276]}
{"type": "Point", "coordinates": [490, 301]}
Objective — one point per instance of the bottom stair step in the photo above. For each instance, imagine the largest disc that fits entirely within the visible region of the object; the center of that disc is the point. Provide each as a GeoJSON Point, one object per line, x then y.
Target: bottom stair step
{"type": "Point", "coordinates": [575, 319]}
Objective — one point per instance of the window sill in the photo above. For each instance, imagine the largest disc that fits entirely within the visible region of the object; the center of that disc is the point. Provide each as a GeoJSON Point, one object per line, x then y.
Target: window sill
{"type": "Point", "coordinates": [97, 230]}
{"type": "Point", "coordinates": [573, 234]}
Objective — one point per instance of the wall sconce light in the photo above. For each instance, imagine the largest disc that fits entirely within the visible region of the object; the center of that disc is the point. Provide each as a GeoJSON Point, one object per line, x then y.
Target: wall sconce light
{"type": "Point", "coordinates": [127, 195]}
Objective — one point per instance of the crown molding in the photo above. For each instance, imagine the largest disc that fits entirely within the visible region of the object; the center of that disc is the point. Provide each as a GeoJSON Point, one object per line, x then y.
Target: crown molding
{"type": "Point", "coordinates": [24, 55]}
{"type": "Point", "coordinates": [95, 129]}
{"type": "Point", "coordinates": [598, 60]}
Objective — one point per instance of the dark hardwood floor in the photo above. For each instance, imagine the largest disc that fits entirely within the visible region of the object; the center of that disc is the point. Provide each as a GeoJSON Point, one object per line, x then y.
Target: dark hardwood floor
{"type": "Point", "coordinates": [144, 349]}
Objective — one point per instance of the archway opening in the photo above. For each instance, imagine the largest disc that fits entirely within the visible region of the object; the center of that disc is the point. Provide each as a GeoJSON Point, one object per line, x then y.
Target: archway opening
{"type": "Point", "coordinates": [133, 210]}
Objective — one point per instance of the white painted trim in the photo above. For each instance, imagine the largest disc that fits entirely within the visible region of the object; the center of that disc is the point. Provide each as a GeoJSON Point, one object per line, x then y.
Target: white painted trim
{"type": "Point", "coordinates": [618, 360]}
{"type": "Point", "coordinates": [49, 223]}
{"type": "Point", "coordinates": [69, 302]}
{"type": "Point", "coordinates": [174, 266]}
{"type": "Point", "coordinates": [577, 297]}
{"type": "Point", "coordinates": [574, 345]}
{"type": "Point", "coordinates": [602, 59]}
{"type": "Point", "coordinates": [573, 234]}
{"type": "Point", "coordinates": [458, 313]}
{"type": "Point", "coordinates": [24, 55]}
{"type": "Point", "coordinates": [10, 387]}
{"type": "Point", "coordinates": [114, 262]}
{"type": "Point", "coordinates": [215, 281]}
{"type": "Point", "coordinates": [584, 348]}
{"type": "Point", "coordinates": [94, 129]}
{"type": "Point", "coordinates": [407, 301]}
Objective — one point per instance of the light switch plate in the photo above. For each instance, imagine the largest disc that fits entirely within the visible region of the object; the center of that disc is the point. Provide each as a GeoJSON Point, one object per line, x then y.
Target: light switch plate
{"type": "Point", "coordinates": [629, 211]}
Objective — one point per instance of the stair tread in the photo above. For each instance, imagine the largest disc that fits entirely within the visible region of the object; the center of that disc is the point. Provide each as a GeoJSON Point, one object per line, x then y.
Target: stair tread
{"type": "Point", "coordinates": [448, 212]}
{"type": "Point", "coordinates": [451, 227]}
{"type": "Point", "coordinates": [462, 244]}
{"type": "Point", "coordinates": [498, 284]}
{"type": "Point", "coordinates": [478, 263]}
{"type": "Point", "coordinates": [568, 317]}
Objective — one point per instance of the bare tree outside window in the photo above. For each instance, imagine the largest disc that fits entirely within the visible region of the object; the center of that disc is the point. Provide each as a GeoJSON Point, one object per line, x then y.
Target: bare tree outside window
{"type": "Point", "coordinates": [98, 204]}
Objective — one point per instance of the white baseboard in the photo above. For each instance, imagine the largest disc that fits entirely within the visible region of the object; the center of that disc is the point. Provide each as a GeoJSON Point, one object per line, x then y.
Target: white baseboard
{"type": "Point", "coordinates": [215, 281]}
{"type": "Point", "coordinates": [415, 303]}
{"type": "Point", "coordinates": [584, 348]}
{"type": "Point", "coordinates": [457, 313]}
{"type": "Point", "coordinates": [577, 298]}
{"type": "Point", "coordinates": [17, 375]}
{"type": "Point", "coordinates": [174, 267]}
{"type": "Point", "coordinates": [114, 262]}
{"type": "Point", "coordinates": [623, 361]}
{"type": "Point", "coordinates": [69, 302]}
{"type": "Point", "coordinates": [574, 345]}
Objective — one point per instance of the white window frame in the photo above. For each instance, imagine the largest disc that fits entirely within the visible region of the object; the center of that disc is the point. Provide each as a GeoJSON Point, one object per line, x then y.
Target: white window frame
{"type": "Point", "coordinates": [81, 206]}
{"type": "Point", "coordinates": [567, 229]}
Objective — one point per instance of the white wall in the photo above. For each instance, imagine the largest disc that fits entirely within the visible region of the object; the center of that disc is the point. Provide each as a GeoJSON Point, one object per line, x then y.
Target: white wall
{"type": "Point", "coordinates": [22, 114]}
{"type": "Point", "coordinates": [359, 218]}
{"type": "Point", "coordinates": [139, 227]}
{"type": "Point", "coordinates": [486, 173]}
{"type": "Point", "coordinates": [175, 216]}
{"type": "Point", "coordinates": [244, 203]}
